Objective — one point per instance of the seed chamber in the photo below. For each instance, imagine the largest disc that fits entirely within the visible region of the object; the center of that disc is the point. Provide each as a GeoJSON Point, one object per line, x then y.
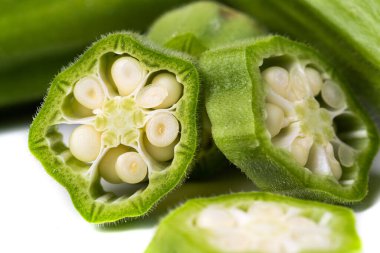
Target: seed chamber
{"type": "Point", "coordinates": [125, 114]}
{"type": "Point", "coordinates": [307, 114]}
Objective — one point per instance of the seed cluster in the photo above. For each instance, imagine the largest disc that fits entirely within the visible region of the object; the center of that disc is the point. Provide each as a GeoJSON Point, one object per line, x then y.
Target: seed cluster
{"type": "Point", "coordinates": [264, 227]}
{"type": "Point", "coordinates": [127, 121]}
{"type": "Point", "coordinates": [301, 105]}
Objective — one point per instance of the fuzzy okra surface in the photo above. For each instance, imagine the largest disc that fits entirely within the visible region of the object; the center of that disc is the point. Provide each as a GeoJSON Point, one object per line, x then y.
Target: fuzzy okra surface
{"type": "Point", "coordinates": [39, 37]}
{"type": "Point", "coordinates": [193, 29]}
{"type": "Point", "coordinates": [256, 222]}
{"type": "Point", "coordinates": [282, 115]}
{"type": "Point", "coordinates": [346, 32]}
{"type": "Point", "coordinates": [133, 107]}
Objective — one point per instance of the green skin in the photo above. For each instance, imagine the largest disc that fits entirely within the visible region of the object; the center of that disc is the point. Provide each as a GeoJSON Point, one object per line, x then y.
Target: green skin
{"type": "Point", "coordinates": [50, 34]}
{"type": "Point", "coordinates": [170, 237]}
{"type": "Point", "coordinates": [193, 29]}
{"type": "Point", "coordinates": [235, 99]}
{"type": "Point", "coordinates": [45, 142]}
{"type": "Point", "coordinates": [346, 32]}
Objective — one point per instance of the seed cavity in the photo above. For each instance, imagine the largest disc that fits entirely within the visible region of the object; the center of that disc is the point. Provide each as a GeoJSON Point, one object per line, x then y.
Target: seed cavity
{"type": "Point", "coordinates": [161, 154]}
{"type": "Point", "coordinates": [89, 93]}
{"type": "Point", "coordinates": [85, 143]}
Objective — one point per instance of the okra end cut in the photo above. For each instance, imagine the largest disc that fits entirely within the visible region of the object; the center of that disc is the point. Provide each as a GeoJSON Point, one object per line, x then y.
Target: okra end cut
{"type": "Point", "coordinates": [130, 115]}
{"type": "Point", "coordinates": [256, 222]}
{"type": "Point", "coordinates": [301, 132]}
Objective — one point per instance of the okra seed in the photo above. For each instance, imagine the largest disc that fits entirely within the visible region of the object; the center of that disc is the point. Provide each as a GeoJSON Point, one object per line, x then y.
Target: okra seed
{"type": "Point", "coordinates": [336, 169]}
{"type": "Point", "coordinates": [162, 129]}
{"type": "Point", "coordinates": [161, 154]}
{"type": "Point", "coordinates": [346, 155]}
{"type": "Point", "coordinates": [151, 96]}
{"type": "Point", "coordinates": [299, 89]}
{"type": "Point", "coordinates": [275, 118]}
{"type": "Point", "coordinates": [127, 73]}
{"type": "Point", "coordinates": [315, 80]}
{"type": "Point", "coordinates": [85, 143]}
{"type": "Point", "coordinates": [332, 95]}
{"type": "Point", "coordinates": [215, 217]}
{"type": "Point", "coordinates": [300, 149]}
{"type": "Point", "coordinates": [107, 166]}
{"type": "Point", "coordinates": [131, 168]}
{"type": "Point", "coordinates": [89, 93]}
{"type": "Point", "coordinates": [277, 78]}
{"type": "Point", "coordinates": [173, 88]}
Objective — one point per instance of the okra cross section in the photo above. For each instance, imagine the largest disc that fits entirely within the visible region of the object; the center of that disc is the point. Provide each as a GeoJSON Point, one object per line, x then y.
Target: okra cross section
{"type": "Point", "coordinates": [256, 222]}
{"type": "Point", "coordinates": [118, 128]}
{"type": "Point", "coordinates": [288, 122]}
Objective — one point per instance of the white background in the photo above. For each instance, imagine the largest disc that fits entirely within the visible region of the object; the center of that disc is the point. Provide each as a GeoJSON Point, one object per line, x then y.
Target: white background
{"type": "Point", "coordinates": [36, 213]}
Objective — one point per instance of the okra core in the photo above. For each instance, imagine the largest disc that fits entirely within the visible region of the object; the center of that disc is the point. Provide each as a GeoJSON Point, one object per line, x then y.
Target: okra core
{"type": "Point", "coordinates": [302, 103]}
{"type": "Point", "coordinates": [131, 125]}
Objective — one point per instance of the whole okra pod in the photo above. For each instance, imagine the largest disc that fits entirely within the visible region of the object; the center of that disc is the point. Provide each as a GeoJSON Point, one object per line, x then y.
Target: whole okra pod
{"type": "Point", "coordinates": [131, 110]}
{"type": "Point", "coordinates": [256, 222]}
{"type": "Point", "coordinates": [38, 37]}
{"type": "Point", "coordinates": [281, 114]}
{"type": "Point", "coordinates": [193, 29]}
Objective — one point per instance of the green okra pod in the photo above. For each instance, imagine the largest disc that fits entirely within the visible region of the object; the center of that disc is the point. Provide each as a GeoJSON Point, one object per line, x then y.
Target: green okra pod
{"type": "Point", "coordinates": [38, 37]}
{"type": "Point", "coordinates": [346, 32]}
{"type": "Point", "coordinates": [193, 29]}
{"type": "Point", "coordinates": [130, 111]}
{"type": "Point", "coordinates": [256, 222]}
{"type": "Point", "coordinates": [283, 115]}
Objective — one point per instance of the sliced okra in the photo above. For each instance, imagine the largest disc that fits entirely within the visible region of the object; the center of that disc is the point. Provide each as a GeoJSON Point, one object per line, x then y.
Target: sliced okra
{"type": "Point", "coordinates": [193, 29]}
{"type": "Point", "coordinates": [256, 222]}
{"type": "Point", "coordinates": [133, 108]}
{"type": "Point", "coordinates": [288, 121]}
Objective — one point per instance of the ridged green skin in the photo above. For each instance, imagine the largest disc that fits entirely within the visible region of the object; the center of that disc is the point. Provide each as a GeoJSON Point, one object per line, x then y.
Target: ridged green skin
{"type": "Point", "coordinates": [345, 31]}
{"type": "Point", "coordinates": [39, 37]}
{"type": "Point", "coordinates": [193, 29]}
{"type": "Point", "coordinates": [45, 142]}
{"type": "Point", "coordinates": [177, 233]}
{"type": "Point", "coordinates": [235, 99]}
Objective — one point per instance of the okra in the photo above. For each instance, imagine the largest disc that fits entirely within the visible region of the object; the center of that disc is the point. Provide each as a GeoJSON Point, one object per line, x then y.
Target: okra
{"type": "Point", "coordinates": [131, 108]}
{"type": "Point", "coordinates": [346, 32]}
{"type": "Point", "coordinates": [256, 222]}
{"type": "Point", "coordinates": [193, 29]}
{"type": "Point", "coordinates": [282, 115]}
{"type": "Point", "coordinates": [39, 37]}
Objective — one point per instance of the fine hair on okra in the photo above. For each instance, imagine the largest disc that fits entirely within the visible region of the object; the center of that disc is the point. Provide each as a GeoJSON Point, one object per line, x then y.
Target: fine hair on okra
{"type": "Point", "coordinates": [118, 128]}
{"type": "Point", "coordinates": [256, 222]}
{"type": "Point", "coordinates": [193, 29]}
{"type": "Point", "coordinates": [283, 116]}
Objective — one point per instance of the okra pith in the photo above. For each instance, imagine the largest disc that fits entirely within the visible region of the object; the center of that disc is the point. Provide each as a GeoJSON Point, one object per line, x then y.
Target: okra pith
{"type": "Point", "coordinates": [133, 107]}
{"type": "Point", "coordinates": [288, 120]}
{"type": "Point", "coordinates": [256, 222]}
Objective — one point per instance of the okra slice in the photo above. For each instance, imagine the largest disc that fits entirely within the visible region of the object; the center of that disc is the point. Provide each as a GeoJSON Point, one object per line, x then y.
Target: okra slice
{"type": "Point", "coordinates": [256, 222]}
{"type": "Point", "coordinates": [281, 114]}
{"type": "Point", "coordinates": [193, 29]}
{"type": "Point", "coordinates": [118, 128]}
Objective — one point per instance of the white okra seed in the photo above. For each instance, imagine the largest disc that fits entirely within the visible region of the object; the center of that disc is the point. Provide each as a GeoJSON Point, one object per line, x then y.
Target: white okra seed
{"type": "Point", "coordinates": [89, 93]}
{"type": "Point", "coordinates": [299, 88]}
{"type": "Point", "coordinates": [131, 168]}
{"type": "Point", "coordinates": [346, 155]}
{"type": "Point", "coordinates": [151, 96]}
{"type": "Point", "coordinates": [300, 149]}
{"type": "Point", "coordinates": [336, 169]}
{"type": "Point", "coordinates": [275, 118]}
{"type": "Point", "coordinates": [161, 154]}
{"type": "Point", "coordinates": [215, 217]}
{"type": "Point", "coordinates": [277, 78]}
{"type": "Point", "coordinates": [315, 80]}
{"type": "Point", "coordinates": [127, 73]}
{"type": "Point", "coordinates": [162, 129]}
{"type": "Point", "coordinates": [85, 143]}
{"type": "Point", "coordinates": [107, 166]}
{"type": "Point", "coordinates": [173, 88]}
{"type": "Point", "coordinates": [333, 95]}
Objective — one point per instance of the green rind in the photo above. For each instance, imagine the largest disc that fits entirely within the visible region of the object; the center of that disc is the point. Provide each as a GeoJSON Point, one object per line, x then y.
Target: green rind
{"type": "Point", "coordinates": [38, 37]}
{"type": "Point", "coordinates": [346, 32]}
{"type": "Point", "coordinates": [234, 102]}
{"type": "Point", "coordinates": [176, 232]}
{"type": "Point", "coordinates": [77, 182]}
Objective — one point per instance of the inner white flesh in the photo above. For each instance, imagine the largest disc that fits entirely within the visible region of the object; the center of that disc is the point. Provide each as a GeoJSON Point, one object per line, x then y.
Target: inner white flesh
{"type": "Point", "coordinates": [265, 227]}
{"type": "Point", "coordinates": [132, 133]}
{"type": "Point", "coordinates": [301, 104]}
